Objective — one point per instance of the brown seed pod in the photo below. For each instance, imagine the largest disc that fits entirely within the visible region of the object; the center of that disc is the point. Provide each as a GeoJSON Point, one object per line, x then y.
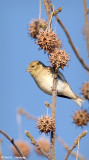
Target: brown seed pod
{"type": "Point", "coordinates": [59, 58]}
{"type": "Point", "coordinates": [44, 144]}
{"type": "Point", "coordinates": [36, 26]}
{"type": "Point", "coordinates": [81, 118]}
{"type": "Point", "coordinates": [48, 41]}
{"type": "Point", "coordinates": [46, 124]}
{"type": "Point", "coordinates": [24, 148]}
{"type": "Point", "coordinates": [85, 90]}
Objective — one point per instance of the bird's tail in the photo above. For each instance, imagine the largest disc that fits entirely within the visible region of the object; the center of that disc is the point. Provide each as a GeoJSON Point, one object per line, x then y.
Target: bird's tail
{"type": "Point", "coordinates": [78, 100]}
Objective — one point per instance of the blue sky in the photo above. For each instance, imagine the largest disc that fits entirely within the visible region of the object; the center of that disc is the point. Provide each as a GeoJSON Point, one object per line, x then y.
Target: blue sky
{"type": "Point", "coordinates": [18, 89]}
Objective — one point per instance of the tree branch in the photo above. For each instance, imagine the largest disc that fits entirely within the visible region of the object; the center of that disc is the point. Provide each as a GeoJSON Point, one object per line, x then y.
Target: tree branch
{"type": "Point", "coordinates": [47, 8]}
{"type": "Point", "coordinates": [12, 141]}
{"type": "Point", "coordinates": [48, 105]}
{"type": "Point", "coordinates": [75, 143]}
{"type": "Point", "coordinates": [47, 4]}
{"type": "Point", "coordinates": [54, 92]}
{"type": "Point", "coordinates": [72, 45]}
{"type": "Point", "coordinates": [73, 153]}
{"type": "Point", "coordinates": [86, 24]}
{"type": "Point", "coordinates": [23, 112]}
{"type": "Point", "coordinates": [1, 156]}
{"type": "Point", "coordinates": [28, 134]}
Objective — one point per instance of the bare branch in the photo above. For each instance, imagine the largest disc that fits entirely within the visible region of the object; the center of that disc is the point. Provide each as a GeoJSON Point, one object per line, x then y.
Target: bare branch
{"type": "Point", "coordinates": [39, 9]}
{"type": "Point", "coordinates": [72, 45]}
{"type": "Point", "coordinates": [86, 24]}
{"type": "Point", "coordinates": [75, 143]}
{"type": "Point", "coordinates": [23, 112]}
{"type": "Point", "coordinates": [54, 93]}
{"type": "Point", "coordinates": [47, 8]}
{"type": "Point", "coordinates": [28, 134]}
{"type": "Point", "coordinates": [48, 105]}
{"type": "Point", "coordinates": [12, 141]}
{"type": "Point", "coordinates": [1, 156]}
{"type": "Point", "coordinates": [47, 4]}
{"type": "Point", "coordinates": [73, 153]}
{"type": "Point", "coordinates": [57, 11]}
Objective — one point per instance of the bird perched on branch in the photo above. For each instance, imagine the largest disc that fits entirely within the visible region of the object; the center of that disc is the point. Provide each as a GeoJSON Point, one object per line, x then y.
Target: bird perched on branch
{"type": "Point", "coordinates": [43, 76]}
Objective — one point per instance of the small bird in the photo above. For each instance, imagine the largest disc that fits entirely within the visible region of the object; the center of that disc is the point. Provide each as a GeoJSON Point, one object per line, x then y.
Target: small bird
{"type": "Point", "coordinates": [43, 76]}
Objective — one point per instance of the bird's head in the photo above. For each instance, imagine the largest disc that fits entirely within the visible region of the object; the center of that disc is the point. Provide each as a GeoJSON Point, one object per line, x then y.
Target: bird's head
{"type": "Point", "coordinates": [35, 67]}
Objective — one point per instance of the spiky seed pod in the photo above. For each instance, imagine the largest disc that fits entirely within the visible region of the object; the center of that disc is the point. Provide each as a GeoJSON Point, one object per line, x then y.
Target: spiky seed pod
{"type": "Point", "coordinates": [24, 148]}
{"type": "Point", "coordinates": [85, 90]}
{"type": "Point", "coordinates": [48, 41]}
{"type": "Point", "coordinates": [81, 118]}
{"type": "Point", "coordinates": [36, 26]}
{"type": "Point", "coordinates": [59, 58]}
{"type": "Point", "coordinates": [46, 124]}
{"type": "Point", "coordinates": [44, 144]}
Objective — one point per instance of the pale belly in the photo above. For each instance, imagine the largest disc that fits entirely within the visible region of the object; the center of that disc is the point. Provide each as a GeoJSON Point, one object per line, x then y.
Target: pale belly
{"type": "Point", "coordinates": [45, 84]}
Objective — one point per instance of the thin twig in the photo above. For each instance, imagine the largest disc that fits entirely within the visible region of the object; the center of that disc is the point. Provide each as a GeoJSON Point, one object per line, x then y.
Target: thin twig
{"type": "Point", "coordinates": [57, 11]}
{"type": "Point", "coordinates": [12, 141]}
{"type": "Point", "coordinates": [86, 24]}
{"type": "Point", "coordinates": [18, 117]}
{"type": "Point", "coordinates": [1, 156]}
{"type": "Point", "coordinates": [39, 9]}
{"type": "Point", "coordinates": [28, 134]}
{"type": "Point", "coordinates": [47, 8]}
{"type": "Point", "coordinates": [66, 147]}
{"type": "Point", "coordinates": [75, 143]}
{"type": "Point", "coordinates": [48, 105]}
{"type": "Point", "coordinates": [47, 4]}
{"type": "Point", "coordinates": [54, 93]}
{"type": "Point", "coordinates": [23, 112]}
{"type": "Point", "coordinates": [77, 151]}
{"type": "Point", "coordinates": [71, 43]}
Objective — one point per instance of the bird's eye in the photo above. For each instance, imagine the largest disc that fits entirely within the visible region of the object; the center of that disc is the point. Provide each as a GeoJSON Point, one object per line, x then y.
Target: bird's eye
{"type": "Point", "coordinates": [38, 63]}
{"type": "Point", "coordinates": [32, 66]}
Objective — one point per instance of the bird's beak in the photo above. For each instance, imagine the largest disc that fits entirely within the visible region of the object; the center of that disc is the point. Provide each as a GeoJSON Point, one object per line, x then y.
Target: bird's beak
{"type": "Point", "coordinates": [28, 70]}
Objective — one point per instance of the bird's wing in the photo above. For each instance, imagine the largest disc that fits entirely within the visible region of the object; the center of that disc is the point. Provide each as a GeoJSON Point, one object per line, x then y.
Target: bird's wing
{"type": "Point", "coordinates": [61, 77]}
